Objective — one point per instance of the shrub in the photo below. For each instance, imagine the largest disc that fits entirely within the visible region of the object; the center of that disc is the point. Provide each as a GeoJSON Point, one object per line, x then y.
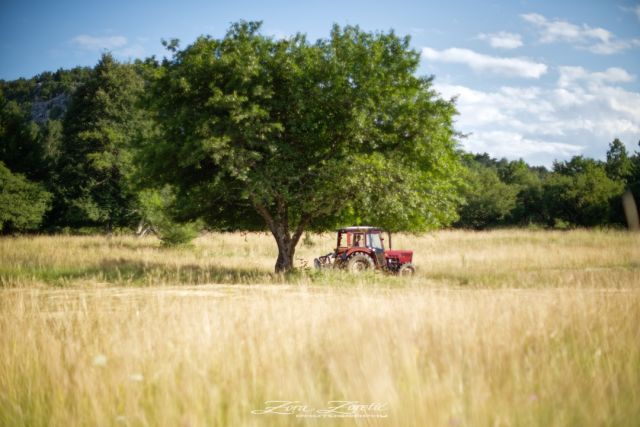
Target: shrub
{"type": "Point", "coordinates": [156, 209]}
{"type": "Point", "coordinates": [22, 202]}
{"type": "Point", "coordinates": [175, 234]}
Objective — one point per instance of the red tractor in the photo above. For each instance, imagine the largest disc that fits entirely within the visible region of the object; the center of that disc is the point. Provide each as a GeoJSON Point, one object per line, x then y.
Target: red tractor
{"type": "Point", "coordinates": [362, 248]}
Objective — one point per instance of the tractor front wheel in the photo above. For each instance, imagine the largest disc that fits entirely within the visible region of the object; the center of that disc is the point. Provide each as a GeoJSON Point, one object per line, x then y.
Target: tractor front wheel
{"type": "Point", "coordinates": [406, 270]}
{"type": "Point", "coordinates": [359, 262]}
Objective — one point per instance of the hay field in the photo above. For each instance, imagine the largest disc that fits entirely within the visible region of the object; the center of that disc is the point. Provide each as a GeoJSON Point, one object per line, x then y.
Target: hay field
{"type": "Point", "coordinates": [501, 328]}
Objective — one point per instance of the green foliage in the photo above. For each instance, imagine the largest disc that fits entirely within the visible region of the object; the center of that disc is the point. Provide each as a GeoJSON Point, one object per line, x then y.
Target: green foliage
{"type": "Point", "coordinates": [31, 111]}
{"type": "Point", "coordinates": [22, 203]}
{"type": "Point", "coordinates": [488, 200]}
{"type": "Point", "coordinates": [581, 193]}
{"type": "Point", "coordinates": [52, 84]}
{"type": "Point", "coordinates": [19, 144]}
{"type": "Point", "coordinates": [560, 224]}
{"type": "Point", "coordinates": [51, 135]}
{"type": "Point", "coordinates": [578, 192]}
{"type": "Point", "coordinates": [156, 210]}
{"type": "Point", "coordinates": [44, 86]}
{"type": "Point", "coordinates": [528, 181]}
{"type": "Point", "coordinates": [619, 166]}
{"type": "Point", "coordinates": [179, 234]}
{"type": "Point", "coordinates": [93, 174]}
{"type": "Point", "coordinates": [634, 179]}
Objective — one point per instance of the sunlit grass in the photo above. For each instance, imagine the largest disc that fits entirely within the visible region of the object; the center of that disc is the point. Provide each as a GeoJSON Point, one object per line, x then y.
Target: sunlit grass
{"type": "Point", "coordinates": [498, 328]}
{"type": "Point", "coordinates": [507, 258]}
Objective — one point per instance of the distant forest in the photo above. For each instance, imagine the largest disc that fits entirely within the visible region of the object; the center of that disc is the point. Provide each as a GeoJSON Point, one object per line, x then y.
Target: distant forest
{"type": "Point", "coordinates": [68, 147]}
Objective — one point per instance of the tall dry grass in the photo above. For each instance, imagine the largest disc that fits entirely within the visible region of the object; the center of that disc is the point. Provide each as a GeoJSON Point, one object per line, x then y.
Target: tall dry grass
{"type": "Point", "coordinates": [500, 328]}
{"type": "Point", "coordinates": [509, 258]}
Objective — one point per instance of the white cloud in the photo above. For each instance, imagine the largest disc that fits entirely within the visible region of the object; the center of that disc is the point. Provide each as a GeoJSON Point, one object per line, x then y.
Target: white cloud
{"type": "Point", "coordinates": [118, 45]}
{"type": "Point", "coordinates": [502, 40]}
{"type": "Point", "coordinates": [99, 43]}
{"type": "Point", "coordinates": [569, 75]}
{"type": "Point", "coordinates": [581, 114]}
{"type": "Point", "coordinates": [597, 40]}
{"type": "Point", "coordinates": [622, 101]}
{"type": "Point", "coordinates": [557, 30]}
{"type": "Point", "coordinates": [614, 46]}
{"type": "Point", "coordinates": [483, 108]}
{"type": "Point", "coordinates": [513, 145]}
{"type": "Point", "coordinates": [515, 67]}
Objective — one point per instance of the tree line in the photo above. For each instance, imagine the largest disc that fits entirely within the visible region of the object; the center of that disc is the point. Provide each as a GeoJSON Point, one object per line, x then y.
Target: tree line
{"type": "Point", "coordinates": [580, 192]}
{"type": "Point", "coordinates": [247, 132]}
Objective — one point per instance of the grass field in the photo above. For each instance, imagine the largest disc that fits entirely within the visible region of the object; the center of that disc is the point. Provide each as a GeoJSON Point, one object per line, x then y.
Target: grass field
{"type": "Point", "coordinates": [502, 328]}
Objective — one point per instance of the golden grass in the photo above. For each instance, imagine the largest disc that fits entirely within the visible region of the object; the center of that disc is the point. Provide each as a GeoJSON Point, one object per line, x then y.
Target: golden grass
{"type": "Point", "coordinates": [509, 258]}
{"type": "Point", "coordinates": [498, 328]}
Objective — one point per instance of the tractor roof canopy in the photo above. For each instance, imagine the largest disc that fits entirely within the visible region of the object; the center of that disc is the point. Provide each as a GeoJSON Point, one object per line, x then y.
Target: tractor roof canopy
{"type": "Point", "coordinates": [362, 228]}
{"type": "Point", "coordinates": [361, 236]}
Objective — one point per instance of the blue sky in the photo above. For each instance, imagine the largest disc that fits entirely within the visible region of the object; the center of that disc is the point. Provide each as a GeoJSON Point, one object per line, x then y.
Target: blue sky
{"type": "Point", "coordinates": [538, 80]}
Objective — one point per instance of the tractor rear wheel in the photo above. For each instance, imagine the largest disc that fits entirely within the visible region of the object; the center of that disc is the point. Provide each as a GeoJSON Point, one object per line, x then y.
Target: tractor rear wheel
{"type": "Point", "coordinates": [359, 262]}
{"type": "Point", "coordinates": [406, 270]}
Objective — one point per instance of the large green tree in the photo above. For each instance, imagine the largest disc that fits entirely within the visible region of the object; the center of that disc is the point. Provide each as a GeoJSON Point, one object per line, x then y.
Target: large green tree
{"type": "Point", "coordinates": [95, 156]}
{"type": "Point", "coordinates": [296, 135]}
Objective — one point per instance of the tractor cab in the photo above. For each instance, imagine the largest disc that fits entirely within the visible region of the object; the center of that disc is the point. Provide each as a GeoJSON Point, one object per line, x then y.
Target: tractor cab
{"type": "Point", "coordinates": [367, 239]}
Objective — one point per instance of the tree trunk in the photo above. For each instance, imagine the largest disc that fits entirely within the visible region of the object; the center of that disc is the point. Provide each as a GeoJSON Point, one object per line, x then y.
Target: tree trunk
{"type": "Point", "coordinates": [286, 246]}
{"type": "Point", "coordinates": [287, 242]}
{"type": "Point", "coordinates": [286, 250]}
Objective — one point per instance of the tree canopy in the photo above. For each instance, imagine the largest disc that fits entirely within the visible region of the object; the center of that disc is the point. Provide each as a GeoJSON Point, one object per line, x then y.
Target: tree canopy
{"type": "Point", "coordinates": [302, 135]}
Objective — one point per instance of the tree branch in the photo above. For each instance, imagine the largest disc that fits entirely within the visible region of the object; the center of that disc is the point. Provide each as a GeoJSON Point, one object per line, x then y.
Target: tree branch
{"type": "Point", "coordinates": [264, 213]}
{"type": "Point", "coordinates": [304, 220]}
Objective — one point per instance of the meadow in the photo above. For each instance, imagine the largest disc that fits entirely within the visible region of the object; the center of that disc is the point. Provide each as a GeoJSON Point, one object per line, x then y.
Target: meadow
{"type": "Point", "coordinates": [504, 328]}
